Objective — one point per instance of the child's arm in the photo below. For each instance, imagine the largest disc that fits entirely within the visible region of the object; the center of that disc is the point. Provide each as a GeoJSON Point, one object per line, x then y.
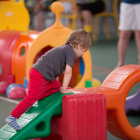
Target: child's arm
{"type": "Point", "coordinates": [66, 79]}
{"type": "Point", "coordinates": [57, 78]}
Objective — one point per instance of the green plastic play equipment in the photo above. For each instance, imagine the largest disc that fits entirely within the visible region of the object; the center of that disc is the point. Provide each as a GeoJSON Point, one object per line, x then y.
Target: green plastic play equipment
{"type": "Point", "coordinates": [35, 122]}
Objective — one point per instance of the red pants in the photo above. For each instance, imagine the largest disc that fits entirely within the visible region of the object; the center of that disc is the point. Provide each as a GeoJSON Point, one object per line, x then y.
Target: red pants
{"type": "Point", "coordinates": [39, 88]}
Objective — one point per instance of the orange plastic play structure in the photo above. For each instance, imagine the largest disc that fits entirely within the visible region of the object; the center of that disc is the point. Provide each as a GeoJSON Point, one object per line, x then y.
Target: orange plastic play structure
{"type": "Point", "coordinates": [116, 87]}
{"type": "Point", "coordinates": [18, 61]}
{"type": "Point", "coordinates": [54, 37]}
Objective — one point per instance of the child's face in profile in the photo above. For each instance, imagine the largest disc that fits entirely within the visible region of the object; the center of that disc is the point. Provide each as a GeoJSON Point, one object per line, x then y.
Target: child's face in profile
{"type": "Point", "coordinates": [81, 51]}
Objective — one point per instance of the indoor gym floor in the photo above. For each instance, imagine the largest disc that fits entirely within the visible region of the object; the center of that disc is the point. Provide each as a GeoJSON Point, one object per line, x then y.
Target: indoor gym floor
{"type": "Point", "coordinates": [104, 60]}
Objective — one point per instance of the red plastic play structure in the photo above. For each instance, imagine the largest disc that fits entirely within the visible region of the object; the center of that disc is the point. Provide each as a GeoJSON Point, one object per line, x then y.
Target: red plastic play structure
{"type": "Point", "coordinates": [83, 118]}
{"type": "Point", "coordinates": [116, 87]}
{"type": "Point", "coordinates": [11, 45]}
{"type": "Point", "coordinates": [12, 64]}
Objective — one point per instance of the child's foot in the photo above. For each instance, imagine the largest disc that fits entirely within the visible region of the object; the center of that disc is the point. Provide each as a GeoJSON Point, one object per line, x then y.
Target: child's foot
{"type": "Point", "coordinates": [12, 122]}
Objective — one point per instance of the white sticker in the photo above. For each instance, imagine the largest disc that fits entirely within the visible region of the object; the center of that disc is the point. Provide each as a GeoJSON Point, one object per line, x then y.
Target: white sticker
{"type": "Point", "coordinates": [8, 14]}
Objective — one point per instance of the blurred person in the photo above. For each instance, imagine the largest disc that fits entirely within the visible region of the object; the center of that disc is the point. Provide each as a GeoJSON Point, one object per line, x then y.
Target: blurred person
{"type": "Point", "coordinates": [40, 7]}
{"type": "Point", "coordinates": [88, 8]}
{"type": "Point", "coordinates": [129, 21]}
{"type": "Point", "coordinates": [30, 6]}
{"type": "Point", "coordinates": [38, 16]}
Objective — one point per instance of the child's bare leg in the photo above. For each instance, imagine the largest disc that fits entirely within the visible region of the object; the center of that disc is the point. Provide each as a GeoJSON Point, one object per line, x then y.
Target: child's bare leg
{"type": "Point", "coordinates": [123, 46]}
{"type": "Point", "coordinates": [87, 16]}
{"type": "Point", "coordinates": [137, 39]}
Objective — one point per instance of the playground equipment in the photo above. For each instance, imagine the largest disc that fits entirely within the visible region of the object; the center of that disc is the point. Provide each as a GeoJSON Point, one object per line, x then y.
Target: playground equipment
{"type": "Point", "coordinates": [20, 49]}
{"type": "Point", "coordinates": [56, 36]}
{"type": "Point", "coordinates": [12, 60]}
{"type": "Point", "coordinates": [84, 117]}
{"type": "Point", "coordinates": [115, 88]}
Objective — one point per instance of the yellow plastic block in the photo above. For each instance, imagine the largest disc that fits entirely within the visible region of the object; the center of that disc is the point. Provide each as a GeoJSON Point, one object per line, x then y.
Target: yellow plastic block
{"type": "Point", "coordinates": [14, 15]}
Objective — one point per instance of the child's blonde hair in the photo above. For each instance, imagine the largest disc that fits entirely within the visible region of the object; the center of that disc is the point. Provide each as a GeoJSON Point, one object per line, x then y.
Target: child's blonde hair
{"type": "Point", "coordinates": [79, 36]}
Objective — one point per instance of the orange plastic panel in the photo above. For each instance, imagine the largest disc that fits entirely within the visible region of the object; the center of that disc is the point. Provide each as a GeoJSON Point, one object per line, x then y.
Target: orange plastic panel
{"type": "Point", "coordinates": [116, 87]}
{"type": "Point", "coordinates": [75, 72]}
{"type": "Point", "coordinates": [19, 55]}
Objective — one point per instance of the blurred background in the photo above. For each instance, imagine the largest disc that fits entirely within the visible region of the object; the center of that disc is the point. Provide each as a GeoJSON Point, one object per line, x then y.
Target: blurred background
{"type": "Point", "coordinates": [48, 17]}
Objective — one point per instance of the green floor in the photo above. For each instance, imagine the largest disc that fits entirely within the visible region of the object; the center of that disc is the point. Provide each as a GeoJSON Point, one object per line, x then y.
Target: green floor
{"type": "Point", "coordinates": [104, 60]}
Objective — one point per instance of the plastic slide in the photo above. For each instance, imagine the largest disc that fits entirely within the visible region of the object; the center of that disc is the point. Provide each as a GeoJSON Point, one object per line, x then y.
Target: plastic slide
{"type": "Point", "coordinates": [35, 122]}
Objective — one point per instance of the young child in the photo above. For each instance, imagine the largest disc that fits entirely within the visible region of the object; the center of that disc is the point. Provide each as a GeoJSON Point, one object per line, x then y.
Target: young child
{"type": "Point", "coordinates": [49, 66]}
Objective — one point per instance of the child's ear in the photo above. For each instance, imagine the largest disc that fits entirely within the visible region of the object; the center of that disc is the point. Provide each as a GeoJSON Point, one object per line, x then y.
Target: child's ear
{"type": "Point", "coordinates": [79, 46]}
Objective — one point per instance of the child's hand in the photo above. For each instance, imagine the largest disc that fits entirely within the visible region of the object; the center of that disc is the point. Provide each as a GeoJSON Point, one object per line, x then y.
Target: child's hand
{"type": "Point", "coordinates": [67, 91]}
{"type": "Point", "coordinates": [61, 90]}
